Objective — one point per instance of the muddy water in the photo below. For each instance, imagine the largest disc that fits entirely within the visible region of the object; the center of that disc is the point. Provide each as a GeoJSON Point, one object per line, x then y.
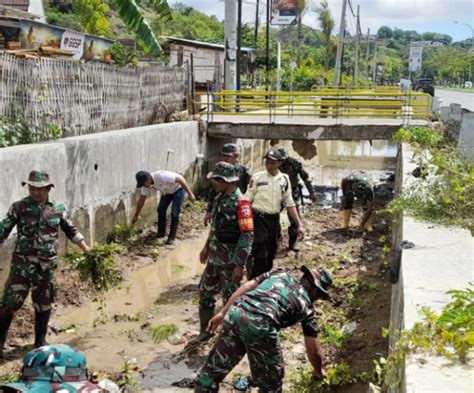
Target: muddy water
{"type": "Point", "coordinates": [108, 345]}
{"type": "Point", "coordinates": [337, 159]}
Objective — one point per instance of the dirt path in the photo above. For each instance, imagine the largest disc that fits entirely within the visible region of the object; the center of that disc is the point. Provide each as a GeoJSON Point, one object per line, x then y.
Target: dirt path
{"type": "Point", "coordinates": [165, 292]}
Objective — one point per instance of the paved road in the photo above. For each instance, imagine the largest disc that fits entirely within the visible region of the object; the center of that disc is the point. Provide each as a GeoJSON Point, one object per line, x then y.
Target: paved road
{"type": "Point", "coordinates": [456, 97]}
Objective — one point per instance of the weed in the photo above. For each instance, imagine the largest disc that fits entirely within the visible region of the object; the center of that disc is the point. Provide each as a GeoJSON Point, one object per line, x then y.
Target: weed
{"type": "Point", "coordinates": [449, 334]}
{"type": "Point", "coordinates": [300, 380]}
{"type": "Point", "coordinates": [123, 234]}
{"type": "Point", "coordinates": [444, 195]}
{"type": "Point", "coordinates": [127, 380]}
{"type": "Point", "coordinates": [154, 252]}
{"type": "Point", "coordinates": [8, 378]}
{"type": "Point", "coordinates": [162, 332]}
{"type": "Point", "coordinates": [332, 335]}
{"type": "Point", "coordinates": [195, 299]}
{"type": "Point", "coordinates": [98, 265]}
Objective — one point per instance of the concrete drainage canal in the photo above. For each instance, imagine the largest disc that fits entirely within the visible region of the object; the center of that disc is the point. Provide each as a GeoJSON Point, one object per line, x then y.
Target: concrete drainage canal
{"type": "Point", "coordinates": [138, 333]}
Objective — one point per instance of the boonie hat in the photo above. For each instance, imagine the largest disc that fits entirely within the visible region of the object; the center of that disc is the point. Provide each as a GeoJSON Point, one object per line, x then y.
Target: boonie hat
{"type": "Point", "coordinates": [321, 278]}
{"type": "Point", "coordinates": [225, 171]}
{"type": "Point", "coordinates": [283, 152]}
{"type": "Point", "coordinates": [38, 179]}
{"type": "Point", "coordinates": [229, 149]}
{"type": "Point", "coordinates": [274, 155]}
{"type": "Point", "coordinates": [141, 177]}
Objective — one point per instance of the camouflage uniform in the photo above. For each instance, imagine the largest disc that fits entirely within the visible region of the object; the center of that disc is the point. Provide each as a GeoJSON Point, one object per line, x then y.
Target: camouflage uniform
{"type": "Point", "coordinates": [294, 168]}
{"type": "Point", "coordinates": [244, 178]}
{"type": "Point", "coordinates": [230, 244]}
{"type": "Point", "coordinates": [252, 326]}
{"type": "Point", "coordinates": [34, 258]}
{"type": "Point", "coordinates": [356, 185]}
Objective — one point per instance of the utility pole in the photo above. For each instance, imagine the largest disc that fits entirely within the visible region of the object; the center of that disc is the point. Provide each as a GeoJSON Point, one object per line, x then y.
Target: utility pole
{"type": "Point", "coordinates": [230, 33]}
{"type": "Point", "coordinates": [367, 55]}
{"type": "Point", "coordinates": [256, 26]}
{"type": "Point", "coordinates": [374, 69]}
{"type": "Point", "coordinates": [267, 47]}
{"type": "Point", "coordinates": [340, 42]}
{"type": "Point", "coordinates": [279, 66]}
{"type": "Point", "coordinates": [356, 61]}
{"type": "Point", "coordinates": [239, 43]}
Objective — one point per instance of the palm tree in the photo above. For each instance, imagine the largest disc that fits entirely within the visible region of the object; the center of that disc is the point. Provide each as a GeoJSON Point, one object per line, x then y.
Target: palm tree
{"type": "Point", "coordinates": [326, 23]}
{"type": "Point", "coordinates": [301, 8]}
{"type": "Point", "coordinates": [131, 14]}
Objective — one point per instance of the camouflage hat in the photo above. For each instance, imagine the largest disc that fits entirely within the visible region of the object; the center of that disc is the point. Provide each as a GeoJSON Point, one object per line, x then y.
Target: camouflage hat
{"type": "Point", "coordinates": [321, 278]}
{"type": "Point", "coordinates": [274, 155]}
{"type": "Point", "coordinates": [38, 179]}
{"type": "Point", "coordinates": [283, 152]}
{"type": "Point", "coordinates": [225, 171]}
{"type": "Point", "coordinates": [230, 149]}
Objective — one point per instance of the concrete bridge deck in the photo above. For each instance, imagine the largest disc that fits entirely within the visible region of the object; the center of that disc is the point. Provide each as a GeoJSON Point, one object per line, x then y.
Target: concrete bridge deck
{"type": "Point", "coordinates": [306, 127]}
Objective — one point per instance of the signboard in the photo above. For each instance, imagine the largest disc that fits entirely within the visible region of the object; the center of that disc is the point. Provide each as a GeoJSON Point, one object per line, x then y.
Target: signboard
{"type": "Point", "coordinates": [73, 42]}
{"type": "Point", "coordinates": [283, 12]}
{"type": "Point", "coordinates": [416, 54]}
{"type": "Point", "coordinates": [88, 47]}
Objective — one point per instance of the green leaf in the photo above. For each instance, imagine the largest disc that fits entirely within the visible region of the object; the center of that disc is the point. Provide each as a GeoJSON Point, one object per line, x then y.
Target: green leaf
{"type": "Point", "coordinates": [131, 14]}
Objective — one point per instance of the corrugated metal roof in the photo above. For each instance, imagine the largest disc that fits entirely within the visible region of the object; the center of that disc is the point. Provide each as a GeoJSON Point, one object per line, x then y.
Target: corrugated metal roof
{"type": "Point", "coordinates": [200, 43]}
{"type": "Point", "coordinates": [21, 5]}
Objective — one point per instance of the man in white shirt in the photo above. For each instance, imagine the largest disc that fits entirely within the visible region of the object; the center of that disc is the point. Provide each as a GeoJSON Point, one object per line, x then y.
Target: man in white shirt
{"type": "Point", "coordinates": [171, 187]}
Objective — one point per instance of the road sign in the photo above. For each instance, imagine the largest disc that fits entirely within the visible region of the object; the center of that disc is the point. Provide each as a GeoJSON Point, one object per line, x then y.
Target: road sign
{"type": "Point", "coordinates": [283, 12]}
{"type": "Point", "coordinates": [416, 55]}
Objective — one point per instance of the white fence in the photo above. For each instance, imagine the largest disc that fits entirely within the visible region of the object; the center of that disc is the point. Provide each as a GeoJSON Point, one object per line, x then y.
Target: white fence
{"type": "Point", "coordinates": [83, 98]}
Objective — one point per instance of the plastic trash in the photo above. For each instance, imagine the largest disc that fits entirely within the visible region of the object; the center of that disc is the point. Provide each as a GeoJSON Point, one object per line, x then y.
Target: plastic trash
{"type": "Point", "coordinates": [176, 339]}
{"type": "Point", "coordinates": [241, 384]}
{"type": "Point", "coordinates": [349, 328]}
{"type": "Point", "coordinates": [108, 386]}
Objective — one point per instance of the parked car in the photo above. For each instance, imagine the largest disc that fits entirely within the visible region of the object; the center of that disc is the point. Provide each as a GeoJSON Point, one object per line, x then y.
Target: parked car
{"type": "Point", "coordinates": [426, 85]}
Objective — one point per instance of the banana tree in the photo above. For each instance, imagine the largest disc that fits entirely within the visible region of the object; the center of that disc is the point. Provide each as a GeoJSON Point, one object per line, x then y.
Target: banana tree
{"type": "Point", "coordinates": [131, 14]}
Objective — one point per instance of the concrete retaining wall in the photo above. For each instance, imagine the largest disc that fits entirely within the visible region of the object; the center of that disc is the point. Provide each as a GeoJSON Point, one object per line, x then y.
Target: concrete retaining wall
{"type": "Point", "coordinates": [94, 175]}
{"type": "Point", "coordinates": [441, 260]}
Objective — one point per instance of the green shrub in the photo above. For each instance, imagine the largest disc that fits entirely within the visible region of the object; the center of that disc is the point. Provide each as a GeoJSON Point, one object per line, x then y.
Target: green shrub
{"type": "Point", "coordinates": [66, 20]}
{"type": "Point", "coordinates": [17, 130]}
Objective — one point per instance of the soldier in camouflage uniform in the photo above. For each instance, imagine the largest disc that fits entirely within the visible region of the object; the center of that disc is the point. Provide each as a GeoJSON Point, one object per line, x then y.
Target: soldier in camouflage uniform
{"type": "Point", "coordinates": [229, 243]}
{"type": "Point", "coordinates": [252, 319]}
{"type": "Point", "coordinates": [357, 185]}
{"type": "Point", "coordinates": [34, 259]}
{"type": "Point", "coordinates": [230, 153]}
{"type": "Point", "coordinates": [294, 169]}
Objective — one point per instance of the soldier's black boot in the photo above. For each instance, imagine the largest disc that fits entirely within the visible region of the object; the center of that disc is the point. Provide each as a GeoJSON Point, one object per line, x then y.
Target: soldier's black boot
{"type": "Point", "coordinates": [173, 231]}
{"type": "Point", "coordinates": [41, 328]}
{"type": "Point", "coordinates": [5, 322]}
{"type": "Point", "coordinates": [205, 315]}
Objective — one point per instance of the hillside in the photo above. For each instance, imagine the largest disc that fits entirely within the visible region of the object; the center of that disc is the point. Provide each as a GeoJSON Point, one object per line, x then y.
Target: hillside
{"type": "Point", "coordinates": [313, 52]}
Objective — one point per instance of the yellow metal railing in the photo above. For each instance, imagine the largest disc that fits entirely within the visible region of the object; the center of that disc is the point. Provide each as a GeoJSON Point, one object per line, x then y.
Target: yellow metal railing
{"type": "Point", "coordinates": [386, 103]}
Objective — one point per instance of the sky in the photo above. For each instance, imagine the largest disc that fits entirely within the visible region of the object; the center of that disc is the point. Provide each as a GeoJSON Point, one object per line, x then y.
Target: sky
{"type": "Point", "coordinates": [421, 15]}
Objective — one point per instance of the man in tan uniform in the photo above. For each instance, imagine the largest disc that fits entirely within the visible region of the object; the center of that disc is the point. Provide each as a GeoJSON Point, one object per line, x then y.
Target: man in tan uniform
{"type": "Point", "coordinates": [269, 192]}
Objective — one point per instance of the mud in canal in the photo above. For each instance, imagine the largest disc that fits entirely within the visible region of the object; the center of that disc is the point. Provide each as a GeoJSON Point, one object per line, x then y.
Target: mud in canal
{"type": "Point", "coordinates": [161, 289]}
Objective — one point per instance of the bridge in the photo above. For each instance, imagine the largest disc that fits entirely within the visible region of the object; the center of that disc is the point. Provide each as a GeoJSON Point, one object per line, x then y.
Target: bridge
{"type": "Point", "coordinates": [323, 114]}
